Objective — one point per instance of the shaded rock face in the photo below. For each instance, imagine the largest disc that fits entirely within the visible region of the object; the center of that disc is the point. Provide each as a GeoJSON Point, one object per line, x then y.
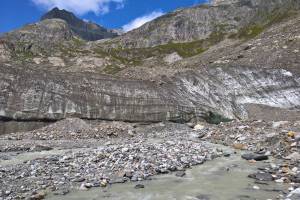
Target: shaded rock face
{"type": "Point", "coordinates": [86, 30]}
{"type": "Point", "coordinates": [203, 22]}
{"type": "Point", "coordinates": [31, 95]}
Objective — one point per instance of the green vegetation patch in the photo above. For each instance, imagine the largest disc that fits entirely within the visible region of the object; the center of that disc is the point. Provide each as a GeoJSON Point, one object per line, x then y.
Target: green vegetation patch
{"type": "Point", "coordinates": [185, 50]}
{"type": "Point", "coordinates": [278, 16]}
{"type": "Point", "coordinates": [248, 32]}
{"type": "Point", "coordinates": [214, 118]}
{"type": "Point", "coordinates": [72, 48]}
{"type": "Point", "coordinates": [112, 69]}
{"type": "Point", "coordinates": [135, 56]}
{"type": "Point", "coordinates": [78, 42]}
{"type": "Point", "coordinates": [22, 51]}
{"type": "Point", "coordinates": [267, 20]}
{"type": "Point", "coordinates": [23, 55]}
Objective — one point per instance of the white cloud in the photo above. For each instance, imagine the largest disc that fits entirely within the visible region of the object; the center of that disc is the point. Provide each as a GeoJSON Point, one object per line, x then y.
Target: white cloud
{"type": "Point", "coordinates": [120, 5]}
{"type": "Point", "coordinates": [80, 7]}
{"type": "Point", "coordinates": [141, 20]}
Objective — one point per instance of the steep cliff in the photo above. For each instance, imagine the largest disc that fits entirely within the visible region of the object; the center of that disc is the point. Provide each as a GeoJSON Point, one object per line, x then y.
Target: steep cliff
{"type": "Point", "coordinates": [31, 95]}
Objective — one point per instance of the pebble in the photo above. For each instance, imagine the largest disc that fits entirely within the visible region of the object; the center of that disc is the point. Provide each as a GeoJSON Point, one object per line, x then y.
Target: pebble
{"type": "Point", "coordinates": [180, 174]}
{"type": "Point", "coordinates": [61, 192]}
{"type": "Point", "coordinates": [294, 156]}
{"type": "Point", "coordinates": [83, 187]}
{"type": "Point", "coordinates": [262, 176]}
{"type": "Point", "coordinates": [202, 197]}
{"type": "Point", "coordinates": [80, 179]}
{"type": "Point", "coordinates": [279, 180]}
{"type": "Point", "coordinates": [294, 194]}
{"type": "Point", "coordinates": [239, 146]}
{"type": "Point", "coordinates": [226, 155]}
{"type": "Point", "coordinates": [40, 148]}
{"type": "Point", "coordinates": [117, 180]}
{"type": "Point", "coordinates": [199, 127]}
{"type": "Point", "coordinates": [38, 196]}
{"type": "Point", "coordinates": [139, 186]}
{"type": "Point", "coordinates": [255, 187]}
{"type": "Point", "coordinates": [103, 183]}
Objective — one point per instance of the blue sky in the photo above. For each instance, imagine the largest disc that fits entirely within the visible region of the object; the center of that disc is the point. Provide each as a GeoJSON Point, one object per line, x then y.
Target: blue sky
{"type": "Point", "coordinates": [109, 13]}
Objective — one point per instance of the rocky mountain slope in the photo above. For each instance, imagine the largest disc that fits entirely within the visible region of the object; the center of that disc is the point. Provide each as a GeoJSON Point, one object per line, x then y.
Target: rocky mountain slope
{"type": "Point", "coordinates": [86, 30]}
{"type": "Point", "coordinates": [231, 59]}
{"type": "Point", "coordinates": [210, 24]}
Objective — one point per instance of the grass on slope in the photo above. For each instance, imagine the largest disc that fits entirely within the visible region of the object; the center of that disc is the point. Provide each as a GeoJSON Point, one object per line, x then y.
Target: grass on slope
{"type": "Point", "coordinates": [134, 56]}
{"type": "Point", "coordinates": [214, 118]}
{"type": "Point", "coordinates": [252, 30]}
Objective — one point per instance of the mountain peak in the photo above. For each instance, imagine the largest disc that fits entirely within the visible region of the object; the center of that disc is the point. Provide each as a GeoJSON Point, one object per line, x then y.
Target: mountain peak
{"type": "Point", "coordinates": [69, 17]}
{"type": "Point", "coordinates": [55, 9]}
{"type": "Point", "coordinates": [86, 30]}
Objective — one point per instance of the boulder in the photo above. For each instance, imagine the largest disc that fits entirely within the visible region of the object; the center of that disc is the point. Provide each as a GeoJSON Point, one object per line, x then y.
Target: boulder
{"type": "Point", "coordinates": [262, 176]}
{"type": "Point", "coordinates": [256, 157]}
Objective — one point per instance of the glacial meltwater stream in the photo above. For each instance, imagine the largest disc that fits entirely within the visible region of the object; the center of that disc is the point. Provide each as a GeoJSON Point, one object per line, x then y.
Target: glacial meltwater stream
{"type": "Point", "coordinates": [220, 179]}
{"type": "Point", "coordinates": [224, 178]}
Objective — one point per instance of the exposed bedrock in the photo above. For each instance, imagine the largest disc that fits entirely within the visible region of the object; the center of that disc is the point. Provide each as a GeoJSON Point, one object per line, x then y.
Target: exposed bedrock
{"type": "Point", "coordinates": [42, 95]}
{"type": "Point", "coordinates": [205, 21]}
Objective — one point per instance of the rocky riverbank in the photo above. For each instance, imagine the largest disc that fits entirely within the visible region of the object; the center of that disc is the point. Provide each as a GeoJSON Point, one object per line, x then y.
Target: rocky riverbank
{"type": "Point", "coordinates": [280, 140]}
{"type": "Point", "coordinates": [92, 154]}
{"type": "Point", "coordinates": [112, 158]}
